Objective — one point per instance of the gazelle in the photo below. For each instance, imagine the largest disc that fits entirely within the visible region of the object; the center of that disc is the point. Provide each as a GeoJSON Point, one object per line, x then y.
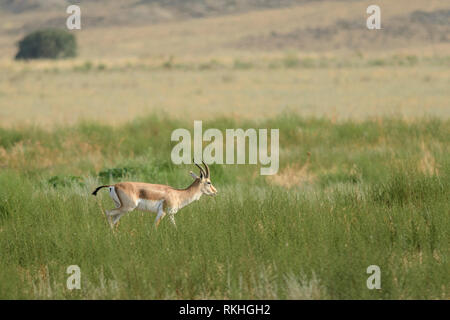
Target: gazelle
{"type": "Point", "coordinates": [158, 198]}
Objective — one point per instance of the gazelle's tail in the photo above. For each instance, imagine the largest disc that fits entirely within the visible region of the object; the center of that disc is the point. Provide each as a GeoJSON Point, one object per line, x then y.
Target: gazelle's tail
{"type": "Point", "coordinates": [96, 190]}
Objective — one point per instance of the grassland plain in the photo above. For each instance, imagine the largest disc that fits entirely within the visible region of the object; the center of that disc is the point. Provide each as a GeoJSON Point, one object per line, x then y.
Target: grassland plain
{"type": "Point", "coordinates": [355, 86]}
{"type": "Point", "coordinates": [315, 58]}
{"type": "Point", "coordinates": [372, 192]}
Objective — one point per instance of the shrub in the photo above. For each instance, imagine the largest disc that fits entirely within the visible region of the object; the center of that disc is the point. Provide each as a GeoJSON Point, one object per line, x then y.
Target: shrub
{"type": "Point", "coordinates": [85, 67]}
{"type": "Point", "coordinates": [116, 173]}
{"type": "Point", "coordinates": [238, 64]}
{"type": "Point", "coordinates": [291, 61]}
{"type": "Point", "coordinates": [64, 181]}
{"type": "Point", "coordinates": [48, 43]}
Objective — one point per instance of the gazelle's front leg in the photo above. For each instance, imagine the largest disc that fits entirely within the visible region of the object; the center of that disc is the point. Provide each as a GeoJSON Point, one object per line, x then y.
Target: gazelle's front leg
{"type": "Point", "coordinates": [172, 219]}
{"type": "Point", "coordinates": [159, 217]}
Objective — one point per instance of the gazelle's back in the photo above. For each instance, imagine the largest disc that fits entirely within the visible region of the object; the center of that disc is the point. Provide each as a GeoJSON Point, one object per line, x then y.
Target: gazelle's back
{"type": "Point", "coordinates": [142, 190]}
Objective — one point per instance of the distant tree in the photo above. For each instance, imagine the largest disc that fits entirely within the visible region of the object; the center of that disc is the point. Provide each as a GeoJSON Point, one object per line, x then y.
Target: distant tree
{"type": "Point", "coordinates": [47, 44]}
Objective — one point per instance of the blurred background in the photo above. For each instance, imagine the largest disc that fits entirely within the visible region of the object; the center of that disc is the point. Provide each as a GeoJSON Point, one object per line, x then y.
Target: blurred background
{"type": "Point", "coordinates": [243, 59]}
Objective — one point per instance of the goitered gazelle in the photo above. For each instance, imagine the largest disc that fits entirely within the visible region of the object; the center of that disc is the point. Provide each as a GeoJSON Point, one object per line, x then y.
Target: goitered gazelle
{"type": "Point", "coordinates": [158, 198]}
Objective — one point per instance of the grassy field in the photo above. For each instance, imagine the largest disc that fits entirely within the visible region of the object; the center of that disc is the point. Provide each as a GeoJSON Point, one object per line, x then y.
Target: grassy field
{"type": "Point", "coordinates": [372, 192]}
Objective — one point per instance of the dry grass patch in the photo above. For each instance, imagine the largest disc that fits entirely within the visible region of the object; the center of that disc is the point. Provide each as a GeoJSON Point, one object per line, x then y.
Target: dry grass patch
{"type": "Point", "coordinates": [303, 288]}
{"type": "Point", "coordinates": [427, 163]}
{"type": "Point", "coordinates": [294, 175]}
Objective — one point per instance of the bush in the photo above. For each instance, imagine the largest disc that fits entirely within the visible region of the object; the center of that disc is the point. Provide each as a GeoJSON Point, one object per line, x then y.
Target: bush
{"type": "Point", "coordinates": [49, 43]}
{"type": "Point", "coordinates": [64, 181]}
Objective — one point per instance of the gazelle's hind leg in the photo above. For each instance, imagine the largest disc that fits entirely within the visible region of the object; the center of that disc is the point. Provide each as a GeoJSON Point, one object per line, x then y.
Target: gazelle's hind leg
{"type": "Point", "coordinates": [161, 214]}
{"type": "Point", "coordinates": [115, 214]}
{"type": "Point", "coordinates": [114, 196]}
{"type": "Point", "coordinates": [123, 205]}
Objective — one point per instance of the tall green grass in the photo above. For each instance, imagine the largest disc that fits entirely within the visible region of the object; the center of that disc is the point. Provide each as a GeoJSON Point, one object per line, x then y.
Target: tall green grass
{"type": "Point", "coordinates": [377, 194]}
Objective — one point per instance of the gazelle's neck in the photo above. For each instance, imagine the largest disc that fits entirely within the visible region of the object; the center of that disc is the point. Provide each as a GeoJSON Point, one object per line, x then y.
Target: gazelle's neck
{"type": "Point", "coordinates": [190, 194]}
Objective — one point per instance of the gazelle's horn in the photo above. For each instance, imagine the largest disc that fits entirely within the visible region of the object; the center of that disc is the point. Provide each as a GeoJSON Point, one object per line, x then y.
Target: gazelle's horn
{"type": "Point", "coordinates": [207, 168]}
{"type": "Point", "coordinates": [202, 171]}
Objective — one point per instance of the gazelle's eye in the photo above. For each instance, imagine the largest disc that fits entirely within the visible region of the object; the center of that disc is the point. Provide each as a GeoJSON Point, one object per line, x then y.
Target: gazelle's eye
{"type": "Point", "coordinates": [208, 182]}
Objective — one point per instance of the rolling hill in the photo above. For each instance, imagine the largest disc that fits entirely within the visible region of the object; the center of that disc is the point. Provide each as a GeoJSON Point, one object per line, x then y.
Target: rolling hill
{"type": "Point", "coordinates": [212, 27]}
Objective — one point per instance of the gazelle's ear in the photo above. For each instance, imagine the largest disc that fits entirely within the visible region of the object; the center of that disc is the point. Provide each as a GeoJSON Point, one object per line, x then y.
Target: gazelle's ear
{"type": "Point", "coordinates": [193, 175]}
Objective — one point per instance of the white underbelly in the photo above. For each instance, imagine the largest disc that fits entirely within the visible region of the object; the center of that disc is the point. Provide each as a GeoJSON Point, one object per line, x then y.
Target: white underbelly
{"type": "Point", "coordinates": [149, 205]}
